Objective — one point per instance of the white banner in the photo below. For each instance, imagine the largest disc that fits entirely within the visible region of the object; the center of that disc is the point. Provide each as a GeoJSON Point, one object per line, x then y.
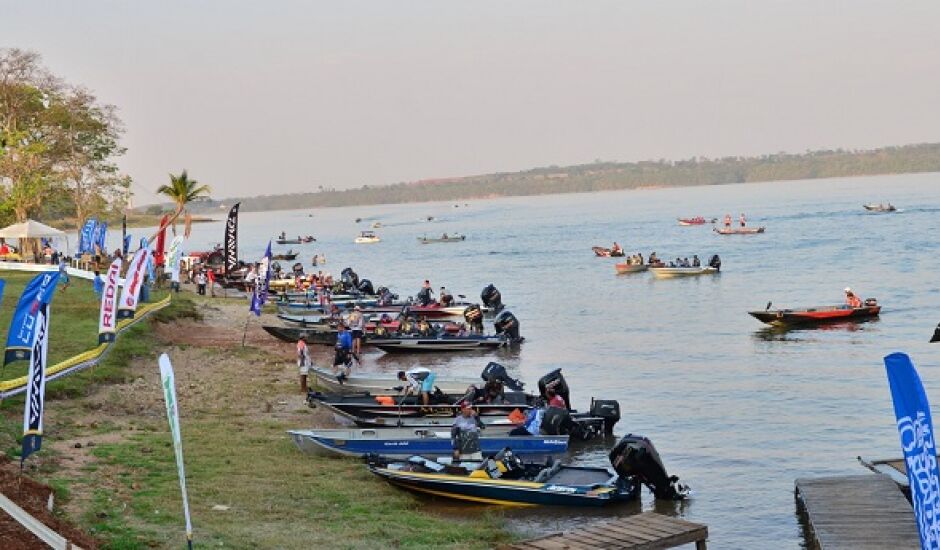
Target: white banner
{"type": "Point", "coordinates": [172, 414]}
{"type": "Point", "coordinates": [133, 280]}
{"type": "Point", "coordinates": [107, 320]}
{"type": "Point", "coordinates": [173, 258]}
{"type": "Point", "coordinates": [36, 386]}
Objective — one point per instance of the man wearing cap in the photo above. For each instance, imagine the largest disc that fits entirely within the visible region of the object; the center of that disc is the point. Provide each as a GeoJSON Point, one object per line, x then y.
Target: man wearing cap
{"type": "Point", "coordinates": [303, 362]}
{"type": "Point", "coordinates": [341, 360]}
{"type": "Point", "coordinates": [358, 325]}
{"type": "Point", "coordinates": [851, 299]}
{"type": "Point", "coordinates": [465, 433]}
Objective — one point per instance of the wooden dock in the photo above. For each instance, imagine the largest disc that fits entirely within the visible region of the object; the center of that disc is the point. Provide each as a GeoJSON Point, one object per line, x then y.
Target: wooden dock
{"type": "Point", "coordinates": [641, 531]}
{"type": "Point", "coordinates": [858, 512]}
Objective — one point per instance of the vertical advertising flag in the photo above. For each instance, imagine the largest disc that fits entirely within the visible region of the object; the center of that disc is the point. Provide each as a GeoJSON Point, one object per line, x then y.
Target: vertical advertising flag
{"type": "Point", "coordinates": [172, 415]}
{"type": "Point", "coordinates": [102, 235]}
{"type": "Point", "coordinates": [161, 241]}
{"type": "Point", "coordinates": [36, 386]}
{"type": "Point", "coordinates": [133, 280]}
{"type": "Point", "coordinates": [231, 240]}
{"type": "Point", "coordinates": [124, 240]}
{"type": "Point", "coordinates": [260, 295]}
{"type": "Point", "coordinates": [107, 320]}
{"type": "Point", "coordinates": [915, 429]}
{"type": "Point", "coordinates": [2, 284]}
{"type": "Point", "coordinates": [173, 257]}
{"type": "Point", "coordinates": [126, 245]}
{"type": "Point", "coordinates": [85, 239]}
{"type": "Point", "coordinates": [22, 332]}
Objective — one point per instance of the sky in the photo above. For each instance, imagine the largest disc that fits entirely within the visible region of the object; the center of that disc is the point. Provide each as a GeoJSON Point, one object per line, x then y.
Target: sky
{"type": "Point", "coordinates": [264, 97]}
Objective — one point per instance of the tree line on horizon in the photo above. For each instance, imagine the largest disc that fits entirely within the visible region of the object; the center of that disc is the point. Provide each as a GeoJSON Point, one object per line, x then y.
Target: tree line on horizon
{"type": "Point", "coordinates": [610, 176]}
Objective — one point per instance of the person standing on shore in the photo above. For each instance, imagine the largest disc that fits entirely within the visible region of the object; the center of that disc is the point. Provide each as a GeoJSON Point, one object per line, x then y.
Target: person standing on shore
{"type": "Point", "coordinates": [201, 282]}
{"type": "Point", "coordinates": [358, 325]}
{"type": "Point", "coordinates": [210, 276]}
{"type": "Point", "coordinates": [303, 362]}
{"type": "Point", "coordinates": [342, 360]}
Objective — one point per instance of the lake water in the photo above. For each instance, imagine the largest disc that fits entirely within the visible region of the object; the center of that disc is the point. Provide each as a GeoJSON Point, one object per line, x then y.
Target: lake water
{"type": "Point", "coordinates": [736, 411]}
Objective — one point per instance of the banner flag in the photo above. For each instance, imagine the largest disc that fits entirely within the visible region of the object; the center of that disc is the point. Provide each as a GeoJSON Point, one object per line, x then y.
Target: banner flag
{"type": "Point", "coordinates": [107, 321]}
{"type": "Point", "coordinates": [21, 335]}
{"type": "Point", "coordinates": [260, 295]}
{"type": "Point", "coordinates": [124, 240]}
{"type": "Point", "coordinates": [915, 428]}
{"type": "Point", "coordinates": [133, 280]}
{"type": "Point", "coordinates": [161, 241]}
{"type": "Point", "coordinates": [36, 386]}
{"type": "Point", "coordinates": [102, 235]}
{"type": "Point", "coordinates": [173, 258]}
{"type": "Point", "coordinates": [231, 240]}
{"type": "Point", "coordinates": [172, 415]}
{"type": "Point", "coordinates": [85, 238]}
{"type": "Point", "coordinates": [126, 246]}
{"type": "Point", "coordinates": [2, 284]}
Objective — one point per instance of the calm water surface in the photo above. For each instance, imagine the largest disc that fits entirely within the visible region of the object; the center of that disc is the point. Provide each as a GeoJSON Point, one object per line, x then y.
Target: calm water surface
{"type": "Point", "coordinates": [736, 411]}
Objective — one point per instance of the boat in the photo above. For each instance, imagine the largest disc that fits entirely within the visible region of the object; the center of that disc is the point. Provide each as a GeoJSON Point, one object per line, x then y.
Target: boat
{"type": "Point", "coordinates": [298, 240]}
{"type": "Point", "coordinates": [367, 237]}
{"type": "Point", "coordinates": [376, 225]}
{"type": "Point", "coordinates": [506, 479]}
{"type": "Point", "coordinates": [436, 310]}
{"type": "Point", "coordinates": [395, 406]}
{"type": "Point", "coordinates": [665, 272]}
{"type": "Point", "coordinates": [606, 252]}
{"type": "Point", "coordinates": [817, 315]}
{"type": "Point", "coordinates": [872, 207]}
{"type": "Point", "coordinates": [739, 230]}
{"type": "Point", "coordinates": [446, 342]}
{"type": "Point", "coordinates": [698, 220]}
{"type": "Point", "coordinates": [313, 335]}
{"type": "Point", "coordinates": [289, 255]}
{"type": "Point", "coordinates": [445, 238]}
{"type": "Point", "coordinates": [406, 442]}
{"type": "Point", "coordinates": [630, 268]}
{"type": "Point", "coordinates": [357, 382]}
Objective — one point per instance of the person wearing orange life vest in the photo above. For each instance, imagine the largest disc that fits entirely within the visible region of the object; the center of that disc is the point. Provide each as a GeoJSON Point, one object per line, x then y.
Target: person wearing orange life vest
{"type": "Point", "coordinates": [851, 299]}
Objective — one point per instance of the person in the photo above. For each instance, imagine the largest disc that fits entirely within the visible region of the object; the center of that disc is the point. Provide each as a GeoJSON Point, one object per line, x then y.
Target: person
{"type": "Point", "coordinates": [303, 362]}
{"type": "Point", "coordinates": [283, 235]}
{"type": "Point", "coordinates": [695, 261]}
{"type": "Point", "coordinates": [63, 276]}
{"type": "Point", "coordinates": [250, 278]}
{"type": "Point", "coordinates": [743, 220]}
{"type": "Point", "coordinates": [639, 258]}
{"type": "Point", "coordinates": [210, 276]}
{"type": "Point", "coordinates": [314, 262]}
{"type": "Point", "coordinates": [555, 400]}
{"type": "Point", "coordinates": [616, 250]}
{"type": "Point", "coordinates": [341, 360]}
{"type": "Point", "coordinates": [445, 298]}
{"type": "Point", "coordinates": [653, 259]}
{"type": "Point", "coordinates": [357, 323]}
{"type": "Point", "coordinates": [420, 382]}
{"type": "Point", "coordinates": [424, 295]}
{"type": "Point", "coordinates": [4, 249]}
{"type": "Point", "coordinates": [98, 283]}
{"type": "Point", "coordinates": [465, 433]}
{"type": "Point", "coordinates": [727, 221]}
{"type": "Point", "coordinates": [851, 299]}
{"type": "Point", "coordinates": [532, 424]}
{"type": "Point", "coordinates": [201, 282]}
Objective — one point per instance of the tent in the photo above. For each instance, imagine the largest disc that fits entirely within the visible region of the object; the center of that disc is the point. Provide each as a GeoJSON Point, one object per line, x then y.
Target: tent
{"type": "Point", "coordinates": [31, 229]}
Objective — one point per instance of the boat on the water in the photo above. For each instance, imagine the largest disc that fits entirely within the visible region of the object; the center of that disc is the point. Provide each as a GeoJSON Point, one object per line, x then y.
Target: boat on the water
{"type": "Point", "coordinates": [630, 268]}
{"type": "Point", "coordinates": [817, 315]}
{"type": "Point", "coordinates": [298, 240]}
{"type": "Point", "coordinates": [872, 207]}
{"type": "Point", "coordinates": [606, 252]}
{"type": "Point", "coordinates": [406, 442]}
{"type": "Point", "coordinates": [367, 237]}
{"type": "Point", "coordinates": [506, 479]}
{"type": "Point", "coordinates": [286, 256]}
{"type": "Point", "coordinates": [444, 342]}
{"type": "Point", "coordinates": [739, 230]}
{"type": "Point", "coordinates": [665, 272]}
{"type": "Point", "coordinates": [698, 220]}
{"type": "Point", "coordinates": [445, 238]}
{"type": "Point", "coordinates": [377, 384]}
{"type": "Point", "coordinates": [393, 405]}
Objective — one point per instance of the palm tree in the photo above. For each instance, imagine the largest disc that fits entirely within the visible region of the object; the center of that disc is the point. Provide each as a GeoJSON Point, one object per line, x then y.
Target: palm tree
{"type": "Point", "coordinates": [182, 190]}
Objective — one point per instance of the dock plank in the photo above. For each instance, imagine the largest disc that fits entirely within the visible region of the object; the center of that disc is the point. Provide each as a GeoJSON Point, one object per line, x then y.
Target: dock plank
{"type": "Point", "coordinates": [858, 512]}
{"type": "Point", "coordinates": [644, 531]}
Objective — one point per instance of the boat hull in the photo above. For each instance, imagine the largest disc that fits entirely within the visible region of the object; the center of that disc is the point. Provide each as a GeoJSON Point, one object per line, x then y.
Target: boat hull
{"type": "Point", "coordinates": [815, 316]}
{"type": "Point", "coordinates": [741, 231]}
{"type": "Point", "coordinates": [405, 442]}
{"type": "Point", "coordinates": [673, 272]}
{"type": "Point", "coordinates": [377, 384]}
{"type": "Point", "coordinates": [623, 269]}
{"type": "Point", "coordinates": [425, 345]}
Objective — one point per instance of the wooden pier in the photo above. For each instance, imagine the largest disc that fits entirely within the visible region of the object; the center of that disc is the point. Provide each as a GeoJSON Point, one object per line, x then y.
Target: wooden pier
{"type": "Point", "coordinates": [858, 512]}
{"type": "Point", "coordinates": [642, 531]}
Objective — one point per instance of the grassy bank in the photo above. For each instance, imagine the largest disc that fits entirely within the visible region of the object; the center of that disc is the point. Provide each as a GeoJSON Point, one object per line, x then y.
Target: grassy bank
{"type": "Point", "coordinates": [107, 448]}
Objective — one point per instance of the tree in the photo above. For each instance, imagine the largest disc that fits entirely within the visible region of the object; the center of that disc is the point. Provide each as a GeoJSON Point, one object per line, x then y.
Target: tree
{"type": "Point", "coordinates": [183, 190]}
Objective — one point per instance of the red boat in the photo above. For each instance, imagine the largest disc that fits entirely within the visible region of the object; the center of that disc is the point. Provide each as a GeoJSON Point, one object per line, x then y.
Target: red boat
{"type": "Point", "coordinates": [817, 315]}
{"type": "Point", "coordinates": [606, 252]}
{"type": "Point", "coordinates": [698, 220]}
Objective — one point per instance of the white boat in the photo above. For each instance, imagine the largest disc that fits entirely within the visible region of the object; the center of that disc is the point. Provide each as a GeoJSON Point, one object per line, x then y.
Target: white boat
{"type": "Point", "coordinates": [384, 383]}
{"type": "Point", "coordinates": [367, 237]}
{"type": "Point", "coordinates": [668, 272]}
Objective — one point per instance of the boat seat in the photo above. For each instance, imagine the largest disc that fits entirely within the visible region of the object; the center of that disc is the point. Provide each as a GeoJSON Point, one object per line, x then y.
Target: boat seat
{"type": "Point", "coordinates": [547, 473]}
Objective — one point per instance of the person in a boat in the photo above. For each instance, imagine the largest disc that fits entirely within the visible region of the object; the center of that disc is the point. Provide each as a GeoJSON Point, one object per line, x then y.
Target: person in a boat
{"type": "Point", "coordinates": [424, 295]}
{"type": "Point", "coordinates": [420, 381]}
{"type": "Point", "coordinates": [445, 236]}
{"type": "Point", "coordinates": [743, 220]}
{"type": "Point", "coordinates": [695, 261]}
{"type": "Point", "coordinates": [851, 299]}
{"type": "Point", "coordinates": [616, 250]}
{"type": "Point", "coordinates": [493, 393]}
{"type": "Point", "coordinates": [532, 424]}
{"type": "Point", "coordinates": [424, 327]}
{"type": "Point", "coordinates": [639, 258]}
{"type": "Point", "coordinates": [555, 400]}
{"type": "Point", "coordinates": [465, 433]}
{"type": "Point", "coordinates": [283, 235]}
{"type": "Point", "coordinates": [444, 298]}
{"type": "Point", "coordinates": [727, 221]}
{"type": "Point", "coordinates": [342, 360]}
{"type": "Point", "coordinates": [653, 259]}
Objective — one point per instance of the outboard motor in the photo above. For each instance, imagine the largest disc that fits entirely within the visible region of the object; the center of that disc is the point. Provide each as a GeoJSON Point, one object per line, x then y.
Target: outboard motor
{"type": "Point", "coordinates": [635, 456]}
{"type": "Point", "coordinates": [506, 323]}
{"type": "Point", "coordinates": [385, 296]}
{"type": "Point", "coordinates": [349, 278]}
{"type": "Point", "coordinates": [557, 381]}
{"type": "Point", "coordinates": [492, 298]}
{"type": "Point", "coordinates": [365, 287]}
{"type": "Point", "coordinates": [494, 372]}
{"type": "Point", "coordinates": [609, 410]}
{"type": "Point", "coordinates": [473, 314]}
{"type": "Point", "coordinates": [715, 262]}
{"type": "Point", "coordinates": [424, 297]}
{"type": "Point", "coordinates": [557, 421]}
{"type": "Point", "coordinates": [297, 268]}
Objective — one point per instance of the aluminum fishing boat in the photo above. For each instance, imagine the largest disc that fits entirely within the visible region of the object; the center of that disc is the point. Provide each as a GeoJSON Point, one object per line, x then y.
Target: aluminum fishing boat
{"type": "Point", "coordinates": [378, 384]}
{"type": "Point", "coordinates": [446, 342]}
{"type": "Point", "coordinates": [671, 272]}
{"type": "Point", "coordinates": [739, 230]}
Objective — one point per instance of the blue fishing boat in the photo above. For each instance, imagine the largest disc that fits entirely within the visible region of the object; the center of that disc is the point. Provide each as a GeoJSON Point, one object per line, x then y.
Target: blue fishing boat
{"type": "Point", "coordinates": [406, 442]}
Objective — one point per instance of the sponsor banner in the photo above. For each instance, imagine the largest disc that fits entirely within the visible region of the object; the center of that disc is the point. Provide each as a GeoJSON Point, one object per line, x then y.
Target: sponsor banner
{"type": "Point", "coordinates": [85, 238]}
{"type": "Point", "coordinates": [124, 240]}
{"type": "Point", "coordinates": [107, 321]}
{"type": "Point", "coordinates": [915, 429]}
{"type": "Point", "coordinates": [132, 283]}
{"type": "Point", "coordinates": [161, 241]}
{"type": "Point", "coordinates": [172, 415]}
{"type": "Point", "coordinates": [260, 295]}
{"type": "Point", "coordinates": [36, 386]}
{"type": "Point", "coordinates": [22, 332]}
{"type": "Point", "coordinates": [231, 240]}
{"type": "Point", "coordinates": [174, 257]}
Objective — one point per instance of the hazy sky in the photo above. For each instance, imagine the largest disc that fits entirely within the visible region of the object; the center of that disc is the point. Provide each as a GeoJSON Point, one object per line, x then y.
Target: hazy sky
{"type": "Point", "coordinates": [273, 96]}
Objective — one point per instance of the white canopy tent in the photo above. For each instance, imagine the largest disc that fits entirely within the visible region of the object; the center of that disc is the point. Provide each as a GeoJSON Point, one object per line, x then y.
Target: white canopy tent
{"type": "Point", "coordinates": [31, 229]}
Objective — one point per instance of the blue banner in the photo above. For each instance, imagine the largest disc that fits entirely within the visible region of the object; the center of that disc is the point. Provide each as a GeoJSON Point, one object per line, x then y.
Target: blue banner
{"type": "Point", "coordinates": [36, 386]}
{"type": "Point", "coordinates": [260, 295]}
{"type": "Point", "coordinates": [22, 331]}
{"type": "Point", "coordinates": [126, 246]}
{"type": "Point", "coordinates": [2, 284]}
{"type": "Point", "coordinates": [85, 240]}
{"type": "Point", "coordinates": [915, 428]}
{"type": "Point", "coordinates": [101, 235]}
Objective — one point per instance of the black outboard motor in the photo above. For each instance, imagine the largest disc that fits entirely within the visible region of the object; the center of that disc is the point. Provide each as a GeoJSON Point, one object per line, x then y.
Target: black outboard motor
{"type": "Point", "coordinates": [473, 315]}
{"type": "Point", "coordinates": [385, 296]}
{"type": "Point", "coordinates": [349, 278]}
{"type": "Point", "coordinates": [558, 383]}
{"type": "Point", "coordinates": [365, 287]}
{"type": "Point", "coordinates": [506, 323]}
{"type": "Point", "coordinates": [297, 268]}
{"type": "Point", "coordinates": [557, 421]}
{"type": "Point", "coordinates": [609, 410]}
{"type": "Point", "coordinates": [494, 372]}
{"type": "Point", "coordinates": [492, 298]}
{"type": "Point", "coordinates": [715, 262]}
{"type": "Point", "coordinates": [635, 455]}
{"type": "Point", "coordinates": [424, 297]}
